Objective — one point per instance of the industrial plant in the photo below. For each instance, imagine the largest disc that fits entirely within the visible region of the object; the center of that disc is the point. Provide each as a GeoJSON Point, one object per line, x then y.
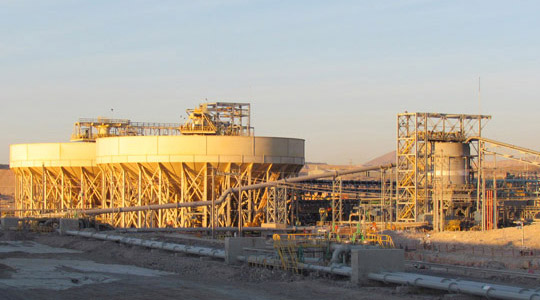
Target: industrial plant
{"type": "Point", "coordinates": [213, 172]}
{"type": "Point", "coordinates": [211, 176]}
{"type": "Point", "coordinates": [117, 164]}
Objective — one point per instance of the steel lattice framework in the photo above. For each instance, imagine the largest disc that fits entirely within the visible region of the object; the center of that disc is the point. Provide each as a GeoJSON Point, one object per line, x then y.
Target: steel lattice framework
{"type": "Point", "coordinates": [89, 129]}
{"type": "Point", "coordinates": [140, 184]}
{"type": "Point", "coordinates": [416, 133]}
{"type": "Point", "coordinates": [46, 190]}
{"type": "Point", "coordinates": [56, 191]}
{"type": "Point", "coordinates": [119, 164]}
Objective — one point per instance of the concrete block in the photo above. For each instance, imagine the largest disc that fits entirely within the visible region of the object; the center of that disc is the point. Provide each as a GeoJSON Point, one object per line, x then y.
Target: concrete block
{"type": "Point", "coordinates": [234, 246]}
{"type": "Point", "coordinates": [365, 261]}
{"type": "Point", "coordinates": [274, 225]}
{"type": "Point", "coordinates": [68, 224]}
{"type": "Point", "coordinates": [9, 223]}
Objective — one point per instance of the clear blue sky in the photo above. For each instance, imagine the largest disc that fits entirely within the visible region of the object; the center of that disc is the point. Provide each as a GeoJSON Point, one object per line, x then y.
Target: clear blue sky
{"type": "Point", "coordinates": [335, 73]}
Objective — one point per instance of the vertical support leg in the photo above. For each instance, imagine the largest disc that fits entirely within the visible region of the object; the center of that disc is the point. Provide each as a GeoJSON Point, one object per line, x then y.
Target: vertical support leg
{"type": "Point", "coordinates": [340, 209]}
{"type": "Point", "coordinates": [495, 210]}
{"type": "Point", "coordinates": [123, 193]}
{"type": "Point", "coordinates": [139, 197]}
{"type": "Point", "coordinates": [160, 197]}
{"type": "Point", "coordinates": [62, 192]}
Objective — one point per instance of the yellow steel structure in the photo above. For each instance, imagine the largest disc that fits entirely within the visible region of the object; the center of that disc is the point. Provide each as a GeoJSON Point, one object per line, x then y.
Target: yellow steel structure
{"type": "Point", "coordinates": [219, 118]}
{"type": "Point", "coordinates": [55, 176]}
{"type": "Point", "coordinates": [177, 169]}
{"type": "Point", "coordinates": [417, 134]}
{"type": "Point", "coordinates": [88, 129]}
{"type": "Point", "coordinates": [121, 170]}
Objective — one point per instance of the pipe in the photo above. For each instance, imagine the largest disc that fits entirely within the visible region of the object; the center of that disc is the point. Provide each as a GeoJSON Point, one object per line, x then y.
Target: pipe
{"type": "Point", "coordinates": [339, 250]}
{"type": "Point", "coordinates": [98, 211]}
{"type": "Point", "coordinates": [301, 178]}
{"type": "Point", "coordinates": [448, 284]}
{"type": "Point", "coordinates": [263, 259]}
{"type": "Point", "coordinates": [207, 229]}
{"type": "Point", "coordinates": [458, 286]}
{"type": "Point", "coordinates": [481, 270]}
{"type": "Point", "coordinates": [203, 251]}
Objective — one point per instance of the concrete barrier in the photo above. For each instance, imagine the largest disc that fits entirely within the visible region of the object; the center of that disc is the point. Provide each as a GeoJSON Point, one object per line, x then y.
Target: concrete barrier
{"type": "Point", "coordinates": [68, 225]}
{"type": "Point", "coordinates": [9, 223]}
{"type": "Point", "coordinates": [365, 261]}
{"type": "Point", "coordinates": [234, 246]}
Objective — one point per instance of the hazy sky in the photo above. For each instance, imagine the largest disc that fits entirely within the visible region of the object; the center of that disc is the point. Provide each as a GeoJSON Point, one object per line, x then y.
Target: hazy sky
{"type": "Point", "coordinates": [334, 73]}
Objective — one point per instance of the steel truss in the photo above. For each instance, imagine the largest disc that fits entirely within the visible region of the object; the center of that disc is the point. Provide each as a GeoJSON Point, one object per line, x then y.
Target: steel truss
{"type": "Point", "coordinates": [89, 129]}
{"type": "Point", "coordinates": [487, 199]}
{"type": "Point", "coordinates": [416, 133]}
{"type": "Point", "coordinates": [41, 191]}
{"type": "Point", "coordinates": [159, 184]}
{"type": "Point", "coordinates": [276, 210]}
{"type": "Point", "coordinates": [387, 193]}
{"type": "Point", "coordinates": [48, 190]}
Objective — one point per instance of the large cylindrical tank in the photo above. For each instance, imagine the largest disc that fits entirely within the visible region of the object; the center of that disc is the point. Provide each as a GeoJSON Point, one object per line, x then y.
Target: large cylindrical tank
{"type": "Point", "coordinates": [51, 177]}
{"type": "Point", "coordinates": [145, 170]}
{"type": "Point", "coordinates": [452, 162]}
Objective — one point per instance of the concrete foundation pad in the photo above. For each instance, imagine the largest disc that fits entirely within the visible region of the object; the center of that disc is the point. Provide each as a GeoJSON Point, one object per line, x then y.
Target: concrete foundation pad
{"type": "Point", "coordinates": [234, 246]}
{"type": "Point", "coordinates": [31, 247]}
{"type": "Point", "coordinates": [61, 274]}
{"type": "Point", "coordinates": [9, 223]}
{"type": "Point", "coordinates": [365, 261]}
{"type": "Point", "coordinates": [68, 224]}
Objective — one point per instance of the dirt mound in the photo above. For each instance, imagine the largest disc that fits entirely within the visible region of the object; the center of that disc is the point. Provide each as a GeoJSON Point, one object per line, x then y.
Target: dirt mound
{"type": "Point", "coordinates": [510, 236]}
{"type": "Point", "coordinates": [7, 182]}
{"type": "Point", "coordinates": [384, 159]}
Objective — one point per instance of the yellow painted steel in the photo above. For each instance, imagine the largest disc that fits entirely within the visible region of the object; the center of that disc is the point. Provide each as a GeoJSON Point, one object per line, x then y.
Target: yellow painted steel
{"type": "Point", "coordinates": [52, 177]}
{"type": "Point", "coordinates": [143, 170]}
{"type": "Point", "coordinates": [200, 149]}
{"type": "Point", "coordinates": [52, 155]}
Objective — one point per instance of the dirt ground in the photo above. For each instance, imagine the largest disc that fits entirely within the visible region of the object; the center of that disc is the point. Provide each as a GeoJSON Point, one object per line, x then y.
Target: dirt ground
{"type": "Point", "coordinates": [498, 249]}
{"type": "Point", "coordinates": [510, 236]}
{"type": "Point", "coordinates": [107, 270]}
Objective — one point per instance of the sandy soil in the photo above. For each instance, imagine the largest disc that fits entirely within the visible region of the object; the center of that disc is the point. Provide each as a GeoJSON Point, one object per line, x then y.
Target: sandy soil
{"type": "Point", "coordinates": [499, 249]}
{"type": "Point", "coordinates": [193, 277]}
{"type": "Point", "coordinates": [510, 236]}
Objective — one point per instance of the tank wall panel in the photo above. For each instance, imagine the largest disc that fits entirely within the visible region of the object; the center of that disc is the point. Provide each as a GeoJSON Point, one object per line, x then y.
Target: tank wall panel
{"type": "Point", "coordinates": [455, 164]}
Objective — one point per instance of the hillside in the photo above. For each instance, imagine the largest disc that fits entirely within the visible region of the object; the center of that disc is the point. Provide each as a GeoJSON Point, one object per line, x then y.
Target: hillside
{"type": "Point", "coordinates": [384, 159]}
{"type": "Point", "coordinates": [7, 181]}
{"type": "Point", "coordinates": [7, 187]}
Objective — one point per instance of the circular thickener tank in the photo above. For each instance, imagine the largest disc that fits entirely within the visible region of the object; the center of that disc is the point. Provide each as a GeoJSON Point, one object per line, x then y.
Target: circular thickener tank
{"type": "Point", "coordinates": [147, 170]}
{"type": "Point", "coordinates": [128, 171]}
{"type": "Point", "coordinates": [452, 161]}
{"type": "Point", "coordinates": [55, 176]}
